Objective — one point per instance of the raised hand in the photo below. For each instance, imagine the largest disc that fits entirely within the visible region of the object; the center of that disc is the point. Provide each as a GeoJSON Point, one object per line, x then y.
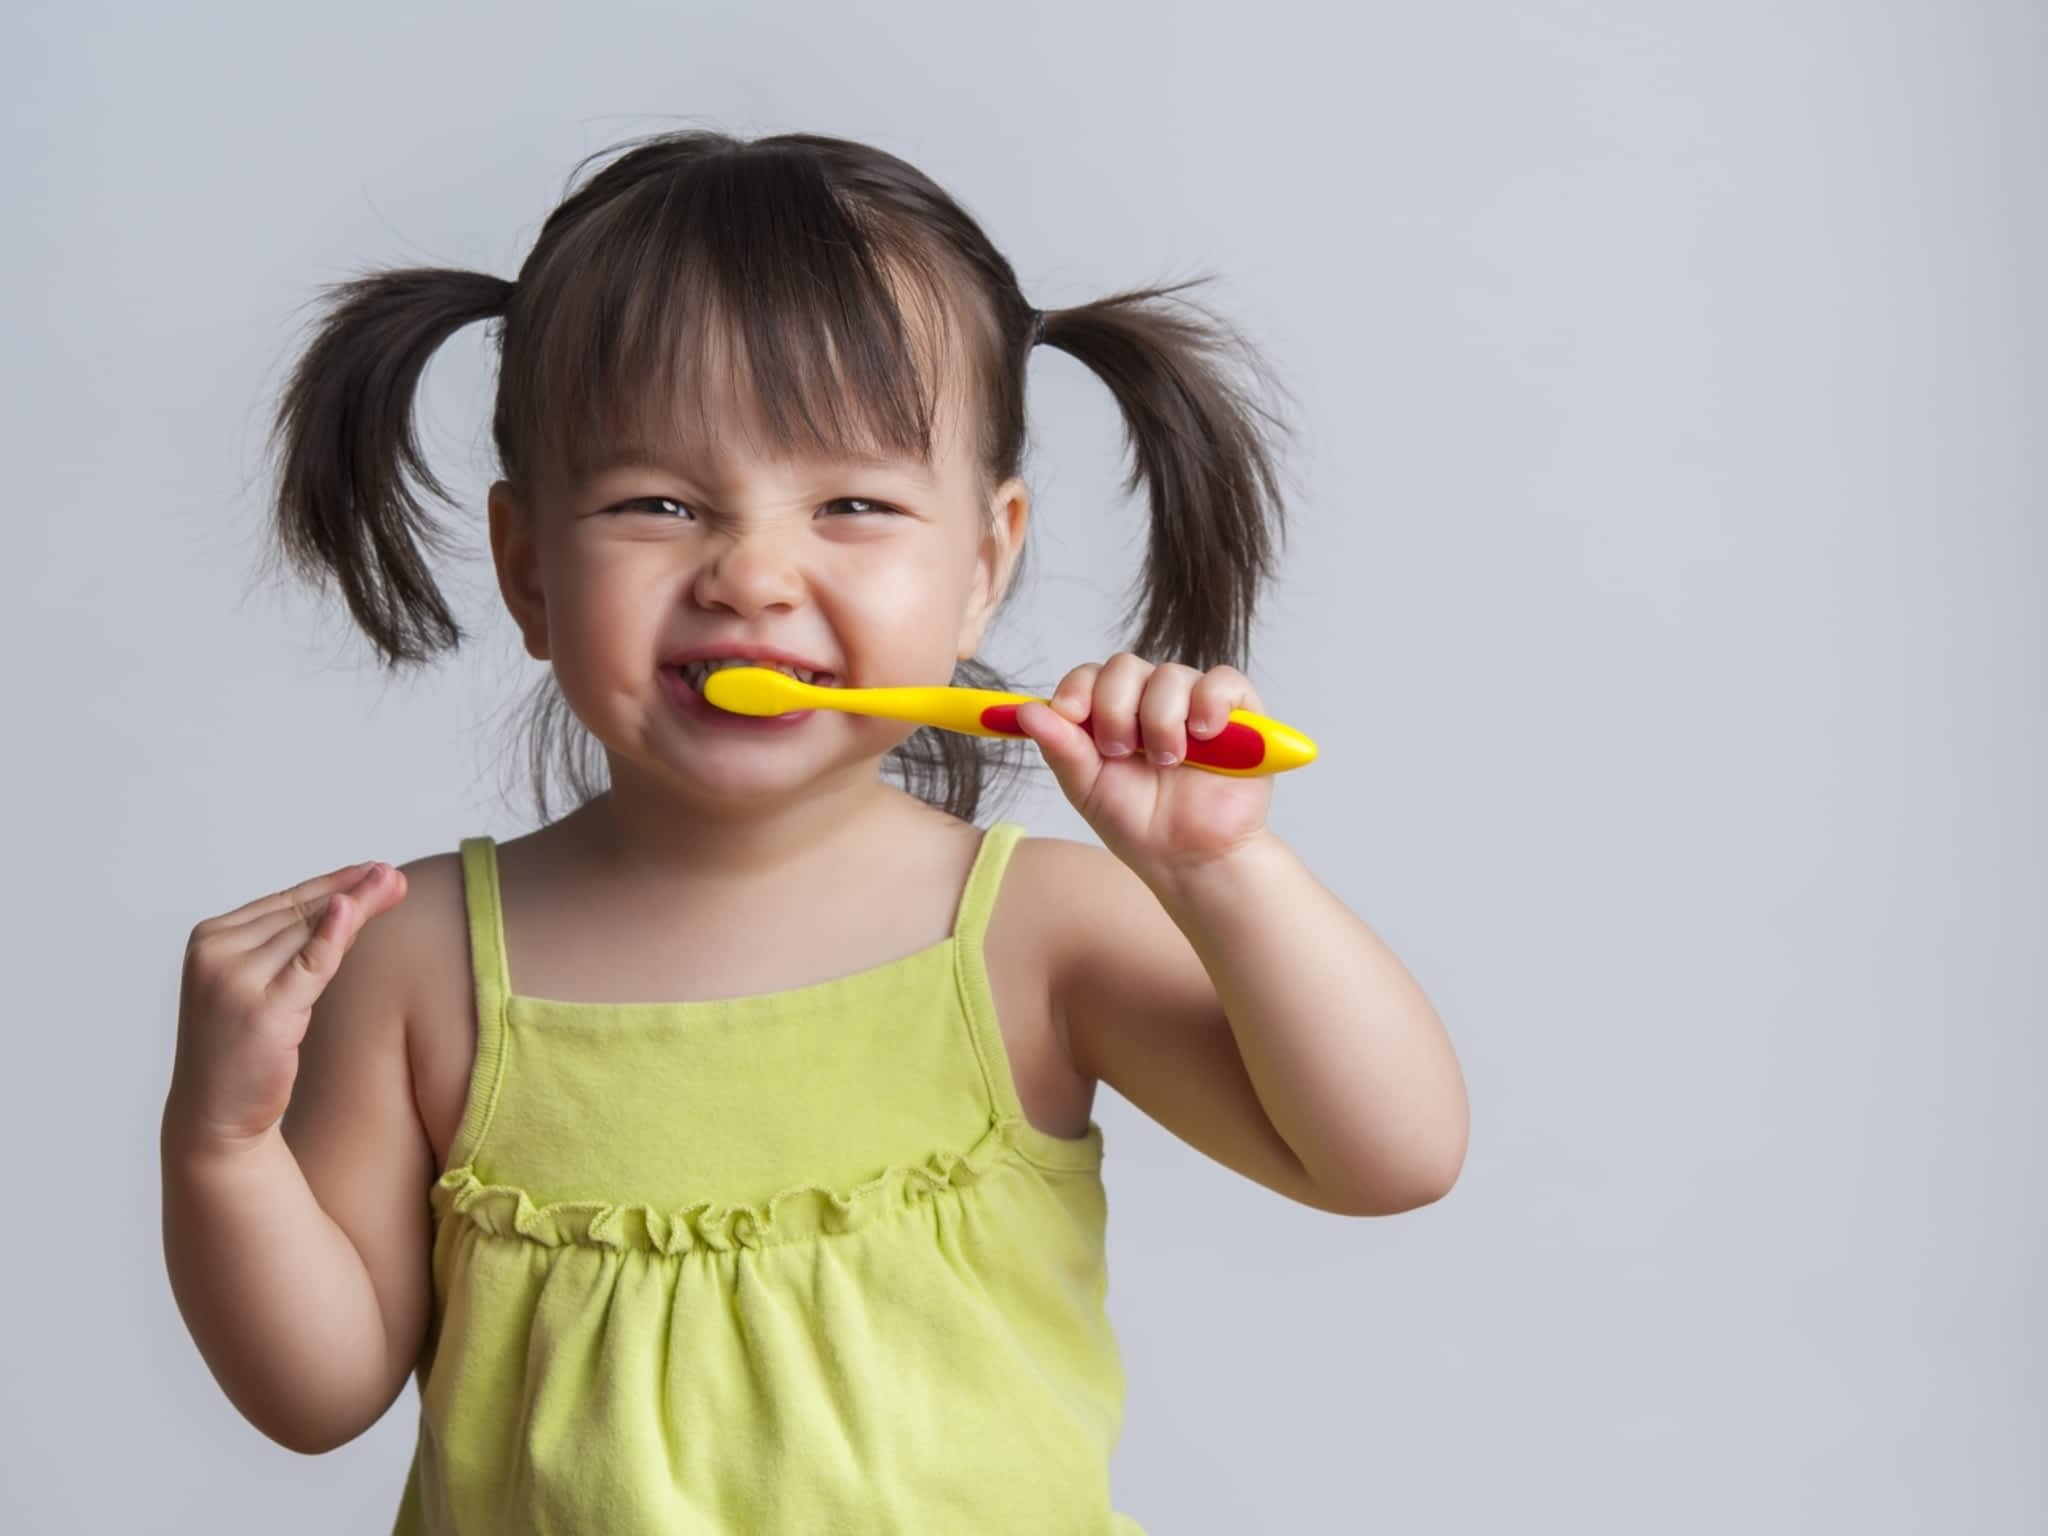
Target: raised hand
{"type": "Point", "coordinates": [1149, 809]}
{"type": "Point", "coordinates": [251, 978]}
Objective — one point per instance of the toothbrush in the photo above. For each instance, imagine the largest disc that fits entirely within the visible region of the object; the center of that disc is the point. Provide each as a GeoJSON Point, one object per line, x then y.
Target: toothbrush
{"type": "Point", "coordinates": [1249, 744]}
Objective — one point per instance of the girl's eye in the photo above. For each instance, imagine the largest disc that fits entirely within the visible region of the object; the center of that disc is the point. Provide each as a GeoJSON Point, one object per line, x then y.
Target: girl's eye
{"type": "Point", "coordinates": [639, 502]}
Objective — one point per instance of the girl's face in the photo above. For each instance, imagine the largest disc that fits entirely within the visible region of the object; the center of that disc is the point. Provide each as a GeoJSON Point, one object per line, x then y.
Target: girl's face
{"type": "Point", "coordinates": [882, 575]}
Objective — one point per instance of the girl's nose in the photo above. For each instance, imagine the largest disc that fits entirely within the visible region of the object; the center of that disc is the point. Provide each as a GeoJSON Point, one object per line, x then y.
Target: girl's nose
{"type": "Point", "coordinates": [750, 572]}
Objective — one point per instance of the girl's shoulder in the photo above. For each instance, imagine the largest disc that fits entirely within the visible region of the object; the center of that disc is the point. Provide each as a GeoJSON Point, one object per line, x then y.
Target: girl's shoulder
{"type": "Point", "coordinates": [1042, 876]}
{"type": "Point", "coordinates": [1042, 913]}
{"type": "Point", "coordinates": [428, 947]}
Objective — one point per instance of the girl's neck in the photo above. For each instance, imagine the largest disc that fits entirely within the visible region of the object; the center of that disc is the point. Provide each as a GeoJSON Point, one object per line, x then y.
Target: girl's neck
{"type": "Point", "coordinates": [635, 832]}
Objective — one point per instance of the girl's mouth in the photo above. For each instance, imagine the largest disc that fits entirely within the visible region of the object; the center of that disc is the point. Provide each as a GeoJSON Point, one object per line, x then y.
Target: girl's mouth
{"type": "Point", "coordinates": [694, 672]}
{"type": "Point", "coordinates": [691, 703]}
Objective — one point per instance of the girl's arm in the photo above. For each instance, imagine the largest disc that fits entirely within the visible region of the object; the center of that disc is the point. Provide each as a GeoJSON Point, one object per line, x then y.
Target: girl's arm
{"type": "Point", "coordinates": [302, 1269]}
{"type": "Point", "coordinates": [273, 1292]}
{"type": "Point", "coordinates": [1248, 1010]}
{"type": "Point", "coordinates": [1196, 926]}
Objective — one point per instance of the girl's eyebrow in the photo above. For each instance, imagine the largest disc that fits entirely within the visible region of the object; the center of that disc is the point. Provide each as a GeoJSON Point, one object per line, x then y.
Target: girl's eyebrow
{"type": "Point", "coordinates": [630, 456]}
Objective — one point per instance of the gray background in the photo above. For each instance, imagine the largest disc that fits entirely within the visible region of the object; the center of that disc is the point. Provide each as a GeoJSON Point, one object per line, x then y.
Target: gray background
{"type": "Point", "coordinates": [1671, 491]}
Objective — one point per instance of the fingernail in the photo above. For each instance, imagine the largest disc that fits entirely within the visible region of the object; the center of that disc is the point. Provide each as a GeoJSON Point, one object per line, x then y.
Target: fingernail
{"type": "Point", "coordinates": [1116, 749]}
{"type": "Point", "coordinates": [1164, 759]}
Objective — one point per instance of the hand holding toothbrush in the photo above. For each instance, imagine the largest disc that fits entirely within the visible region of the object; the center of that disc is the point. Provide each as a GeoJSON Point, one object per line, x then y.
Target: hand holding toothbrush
{"type": "Point", "coordinates": [1128, 774]}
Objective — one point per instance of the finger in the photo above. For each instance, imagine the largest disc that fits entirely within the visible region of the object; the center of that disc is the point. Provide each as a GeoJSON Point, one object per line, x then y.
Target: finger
{"type": "Point", "coordinates": [297, 896]}
{"type": "Point", "coordinates": [1114, 713]}
{"type": "Point", "coordinates": [304, 954]}
{"type": "Point", "coordinates": [1068, 749]}
{"type": "Point", "coordinates": [287, 930]}
{"type": "Point", "coordinates": [1163, 712]}
{"type": "Point", "coordinates": [1076, 692]}
{"type": "Point", "coordinates": [1220, 690]}
{"type": "Point", "coordinates": [299, 908]}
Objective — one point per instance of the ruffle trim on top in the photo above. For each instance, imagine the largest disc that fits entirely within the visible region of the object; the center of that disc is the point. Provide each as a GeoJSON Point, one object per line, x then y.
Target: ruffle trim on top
{"type": "Point", "coordinates": [792, 1215]}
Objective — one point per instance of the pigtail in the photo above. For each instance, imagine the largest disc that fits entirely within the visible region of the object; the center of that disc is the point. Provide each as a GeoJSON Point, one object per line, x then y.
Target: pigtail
{"type": "Point", "coordinates": [1199, 445]}
{"type": "Point", "coordinates": [965, 776]}
{"type": "Point", "coordinates": [344, 440]}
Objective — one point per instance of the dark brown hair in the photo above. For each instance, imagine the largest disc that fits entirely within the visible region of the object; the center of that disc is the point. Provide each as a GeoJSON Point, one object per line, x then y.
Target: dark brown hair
{"type": "Point", "coordinates": [852, 296]}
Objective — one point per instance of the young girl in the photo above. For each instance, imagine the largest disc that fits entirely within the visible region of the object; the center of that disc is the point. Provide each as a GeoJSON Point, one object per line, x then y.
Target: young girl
{"type": "Point", "coordinates": [719, 1156]}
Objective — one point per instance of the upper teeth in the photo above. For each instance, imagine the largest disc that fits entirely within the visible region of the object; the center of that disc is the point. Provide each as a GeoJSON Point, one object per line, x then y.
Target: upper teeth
{"type": "Point", "coordinates": [697, 671]}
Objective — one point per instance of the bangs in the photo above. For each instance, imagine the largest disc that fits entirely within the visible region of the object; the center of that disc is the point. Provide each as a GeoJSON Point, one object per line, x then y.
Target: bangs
{"type": "Point", "coordinates": [735, 292]}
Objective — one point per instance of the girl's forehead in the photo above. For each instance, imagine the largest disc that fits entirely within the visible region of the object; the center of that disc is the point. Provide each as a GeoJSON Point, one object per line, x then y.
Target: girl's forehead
{"type": "Point", "coordinates": [725, 399]}
{"type": "Point", "coordinates": [732, 445]}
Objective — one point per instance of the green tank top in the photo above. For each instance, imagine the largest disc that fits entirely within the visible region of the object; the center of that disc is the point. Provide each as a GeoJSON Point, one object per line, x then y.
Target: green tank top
{"type": "Point", "coordinates": [793, 1262]}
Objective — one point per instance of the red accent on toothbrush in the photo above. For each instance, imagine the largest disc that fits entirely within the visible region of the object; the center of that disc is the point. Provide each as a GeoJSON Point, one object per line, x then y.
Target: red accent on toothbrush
{"type": "Point", "coordinates": [1237, 745]}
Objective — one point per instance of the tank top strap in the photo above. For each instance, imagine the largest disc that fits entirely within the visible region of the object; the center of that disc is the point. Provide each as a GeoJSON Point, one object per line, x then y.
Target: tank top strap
{"type": "Point", "coordinates": [984, 1031]}
{"type": "Point", "coordinates": [976, 993]}
{"type": "Point", "coordinates": [493, 985]}
{"type": "Point", "coordinates": [984, 879]}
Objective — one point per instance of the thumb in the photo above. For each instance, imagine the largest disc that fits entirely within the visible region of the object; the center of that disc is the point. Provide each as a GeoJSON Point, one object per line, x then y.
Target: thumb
{"type": "Point", "coordinates": [1069, 750]}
